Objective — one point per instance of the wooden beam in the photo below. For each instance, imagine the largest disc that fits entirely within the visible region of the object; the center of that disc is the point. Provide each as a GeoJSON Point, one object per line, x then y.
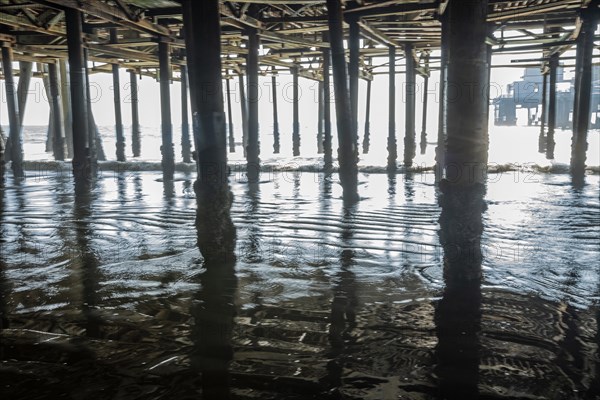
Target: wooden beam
{"type": "Point", "coordinates": [23, 23]}
{"type": "Point", "coordinates": [279, 38]}
{"type": "Point", "coordinates": [376, 35]}
{"type": "Point", "coordinates": [378, 9]}
{"type": "Point", "coordinates": [533, 10]}
{"type": "Point", "coordinates": [103, 11]}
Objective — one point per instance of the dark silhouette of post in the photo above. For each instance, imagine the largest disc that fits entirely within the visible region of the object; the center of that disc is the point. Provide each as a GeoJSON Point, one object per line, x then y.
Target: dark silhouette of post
{"type": "Point", "coordinates": [327, 144]}
{"type": "Point", "coordinates": [214, 310]}
{"type": "Point", "coordinates": [186, 146]}
{"type": "Point", "coordinates": [295, 112]}
{"type": "Point", "coordinates": [353, 72]}
{"type": "Point", "coordinates": [583, 89]}
{"type": "Point", "coordinates": [91, 140]}
{"type": "Point", "coordinates": [411, 95]}
{"type": "Point", "coordinates": [489, 53]}
{"type": "Point", "coordinates": [425, 98]}
{"type": "Point", "coordinates": [578, 68]}
{"type": "Point", "coordinates": [167, 150]}
{"type": "Point", "coordinates": [25, 74]}
{"type": "Point", "coordinates": [95, 148]}
{"type": "Point", "coordinates": [392, 146]}
{"type": "Point", "coordinates": [276, 138]}
{"type": "Point", "coordinates": [58, 144]}
{"type": "Point", "coordinates": [65, 91]}
{"type": "Point", "coordinates": [43, 69]}
{"type": "Point", "coordinates": [554, 58]}
{"type": "Point", "coordinates": [347, 152]}
{"type": "Point", "coordinates": [544, 114]}
{"type": "Point", "coordinates": [244, 109]}
{"type": "Point", "coordinates": [230, 117]}
{"type": "Point", "coordinates": [252, 156]}
{"type": "Point", "coordinates": [79, 102]}
{"type": "Point", "coordinates": [466, 114]}
{"type": "Point", "coordinates": [117, 98]}
{"type": "Point", "coordinates": [202, 22]}
{"type": "Point", "coordinates": [15, 134]}
{"type": "Point", "coordinates": [440, 150]}
{"type": "Point", "coordinates": [320, 117]}
{"type": "Point", "coordinates": [136, 142]}
{"type": "Point", "coordinates": [367, 137]}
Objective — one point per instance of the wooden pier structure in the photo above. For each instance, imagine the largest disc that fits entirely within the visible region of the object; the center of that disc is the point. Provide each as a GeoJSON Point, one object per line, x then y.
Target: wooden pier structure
{"type": "Point", "coordinates": [335, 42]}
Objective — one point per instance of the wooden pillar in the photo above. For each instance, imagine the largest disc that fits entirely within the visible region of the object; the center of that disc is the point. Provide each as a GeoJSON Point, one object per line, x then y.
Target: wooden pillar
{"type": "Point", "coordinates": [244, 108]}
{"type": "Point", "coordinates": [99, 148]}
{"type": "Point", "coordinates": [25, 74]}
{"type": "Point", "coordinates": [409, 135]}
{"type": "Point", "coordinates": [327, 145]}
{"type": "Point", "coordinates": [353, 72]}
{"type": "Point", "coordinates": [96, 148]}
{"type": "Point", "coordinates": [440, 150]}
{"type": "Point", "coordinates": [391, 142]}
{"type": "Point", "coordinates": [58, 145]}
{"type": "Point", "coordinates": [136, 142]}
{"type": "Point", "coordinates": [252, 156]}
{"type": "Point", "coordinates": [186, 146]}
{"type": "Point", "coordinates": [202, 21]}
{"type": "Point", "coordinates": [543, 117]}
{"type": "Point", "coordinates": [117, 98]}
{"type": "Point", "coordinates": [554, 58]}
{"type": "Point", "coordinates": [230, 117]}
{"type": "Point", "coordinates": [43, 69]}
{"type": "Point", "coordinates": [296, 113]}
{"type": "Point", "coordinates": [167, 150]}
{"type": "Point", "coordinates": [276, 138]}
{"type": "Point", "coordinates": [425, 98]}
{"type": "Point", "coordinates": [488, 80]}
{"type": "Point", "coordinates": [347, 154]}
{"type": "Point", "coordinates": [466, 145]}
{"type": "Point", "coordinates": [15, 137]}
{"type": "Point", "coordinates": [583, 90]}
{"type": "Point", "coordinates": [577, 83]}
{"type": "Point", "coordinates": [367, 136]}
{"type": "Point", "coordinates": [79, 101]}
{"type": "Point", "coordinates": [320, 117]}
{"type": "Point", "coordinates": [92, 129]}
{"type": "Point", "coordinates": [65, 95]}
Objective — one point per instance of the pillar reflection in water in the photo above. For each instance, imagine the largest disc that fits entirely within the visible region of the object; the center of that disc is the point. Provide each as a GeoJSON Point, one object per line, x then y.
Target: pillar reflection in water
{"type": "Point", "coordinates": [252, 250]}
{"type": "Point", "coordinates": [595, 385]}
{"type": "Point", "coordinates": [4, 289]}
{"type": "Point", "coordinates": [458, 313]}
{"type": "Point", "coordinates": [86, 259]}
{"type": "Point", "coordinates": [213, 309]}
{"type": "Point", "coordinates": [343, 306]}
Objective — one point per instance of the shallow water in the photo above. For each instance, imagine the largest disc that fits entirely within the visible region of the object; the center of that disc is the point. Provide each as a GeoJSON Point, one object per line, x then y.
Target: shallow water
{"type": "Point", "coordinates": [502, 149]}
{"type": "Point", "coordinates": [106, 295]}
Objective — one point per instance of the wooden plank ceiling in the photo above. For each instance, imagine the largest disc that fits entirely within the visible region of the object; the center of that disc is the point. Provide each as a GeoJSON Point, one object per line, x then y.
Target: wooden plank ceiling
{"type": "Point", "coordinates": [291, 31]}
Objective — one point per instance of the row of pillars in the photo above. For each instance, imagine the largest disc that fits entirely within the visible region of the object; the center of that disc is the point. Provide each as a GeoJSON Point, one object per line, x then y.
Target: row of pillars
{"type": "Point", "coordinates": [72, 131]}
{"type": "Point", "coordinates": [583, 91]}
{"type": "Point", "coordinates": [72, 126]}
{"type": "Point", "coordinates": [463, 126]}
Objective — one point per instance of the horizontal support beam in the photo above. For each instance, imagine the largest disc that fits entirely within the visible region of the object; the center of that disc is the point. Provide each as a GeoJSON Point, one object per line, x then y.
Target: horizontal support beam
{"type": "Point", "coordinates": [102, 10]}
{"type": "Point", "coordinates": [279, 38]}
{"type": "Point", "coordinates": [376, 35]}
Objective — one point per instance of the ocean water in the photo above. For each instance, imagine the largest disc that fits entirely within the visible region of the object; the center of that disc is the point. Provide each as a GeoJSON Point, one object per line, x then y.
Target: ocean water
{"type": "Point", "coordinates": [109, 294]}
{"type": "Point", "coordinates": [517, 146]}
